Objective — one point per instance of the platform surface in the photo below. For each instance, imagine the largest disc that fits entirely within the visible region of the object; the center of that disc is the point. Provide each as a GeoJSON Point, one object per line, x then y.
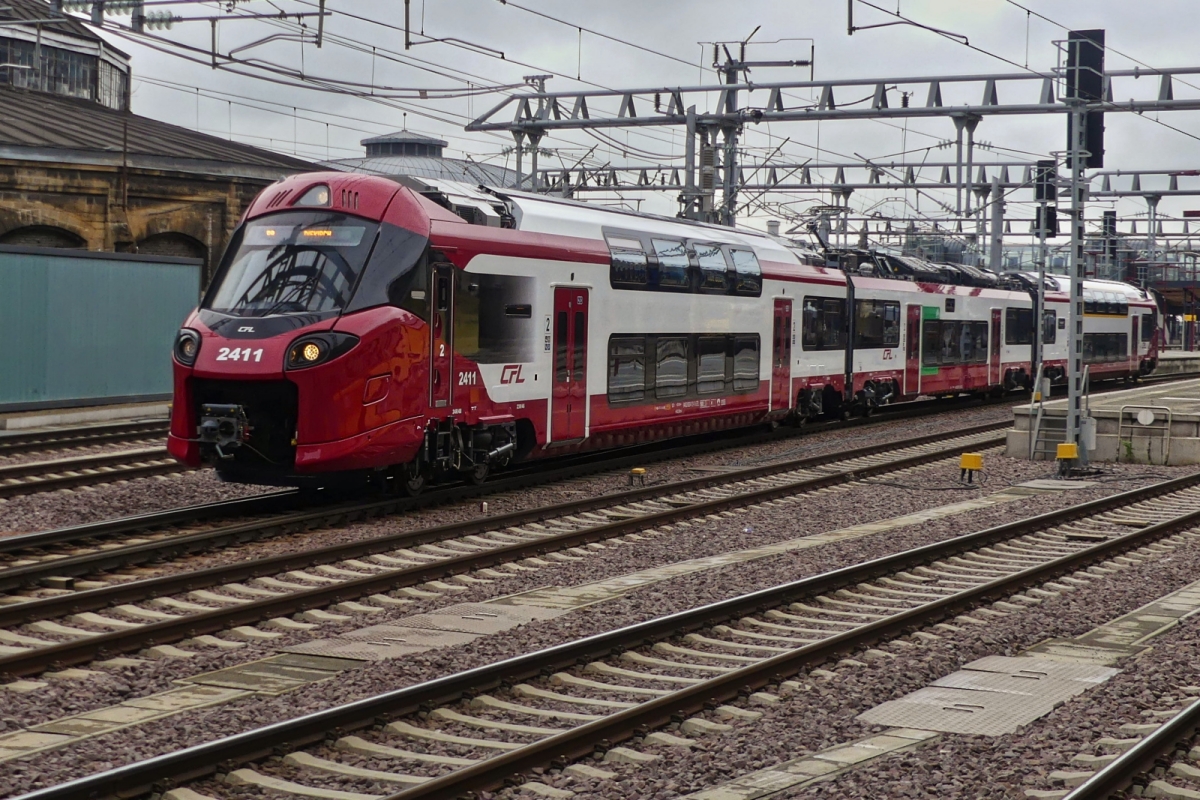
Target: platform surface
{"type": "Point", "coordinates": [66, 417]}
{"type": "Point", "coordinates": [1182, 398]}
{"type": "Point", "coordinates": [1157, 424]}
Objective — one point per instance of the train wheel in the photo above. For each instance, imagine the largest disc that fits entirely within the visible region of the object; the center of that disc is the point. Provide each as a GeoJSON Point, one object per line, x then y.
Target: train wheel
{"type": "Point", "coordinates": [412, 480]}
{"type": "Point", "coordinates": [478, 474]}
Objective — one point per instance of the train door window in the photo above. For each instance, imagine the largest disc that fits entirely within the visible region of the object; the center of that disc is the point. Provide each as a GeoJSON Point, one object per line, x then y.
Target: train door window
{"type": "Point", "coordinates": [443, 293]}
{"type": "Point", "coordinates": [710, 364]}
{"type": "Point", "coordinates": [747, 273]}
{"type": "Point", "coordinates": [630, 267]}
{"type": "Point", "coordinates": [949, 303]}
{"type": "Point", "coordinates": [714, 271]}
{"type": "Point", "coordinates": [745, 363]}
{"type": "Point", "coordinates": [1148, 324]}
{"type": "Point", "coordinates": [671, 368]}
{"type": "Point", "coordinates": [626, 369]}
{"type": "Point", "coordinates": [1018, 326]}
{"type": "Point", "coordinates": [822, 323]}
{"type": "Point", "coordinates": [673, 264]}
{"type": "Point", "coordinates": [580, 354]}
{"type": "Point", "coordinates": [1049, 327]}
{"type": "Point", "coordinates": [876, 324]}
{"type": "Point", "coordinates": [561, 373]}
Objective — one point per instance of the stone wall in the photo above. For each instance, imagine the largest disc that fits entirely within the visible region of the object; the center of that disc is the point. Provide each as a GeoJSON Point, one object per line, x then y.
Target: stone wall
{"type": "Point", "coordinates": [119, 209]}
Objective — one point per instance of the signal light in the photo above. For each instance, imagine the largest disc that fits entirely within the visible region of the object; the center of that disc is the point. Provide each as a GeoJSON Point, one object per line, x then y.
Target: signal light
{"type": "Point", "coordinates": [318, 195]}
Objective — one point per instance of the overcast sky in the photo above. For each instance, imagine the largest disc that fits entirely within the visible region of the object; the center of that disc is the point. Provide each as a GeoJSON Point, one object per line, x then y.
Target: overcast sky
{"type": "Point", "coordinates": [1160, 33]}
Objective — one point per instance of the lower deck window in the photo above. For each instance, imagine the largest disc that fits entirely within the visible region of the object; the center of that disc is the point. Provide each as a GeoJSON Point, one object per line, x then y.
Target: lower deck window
{"type": "Point", "coordinates": [745, 363]}
{"type": "Point", "coordinates": [947, 342]}
{"type": "Point", "coordinates": [649, 367]}
{"type": "Point", "coordinates": [626, 369]}
{"type": "Point", "coordinates": [671, 368]}
{"type": "Point", "coordinates": [1101, 347]}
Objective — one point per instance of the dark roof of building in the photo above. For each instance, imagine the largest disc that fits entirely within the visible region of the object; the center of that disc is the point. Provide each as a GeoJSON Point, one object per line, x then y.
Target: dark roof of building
{"type": "Point", "coordinates": [38, 10]}
{"type": "Point", "coordinates": [47, 127]}
{"type": "Point", "coordinates": [404, 136]}
{"type": "Point", "coordinates": [450, 169]}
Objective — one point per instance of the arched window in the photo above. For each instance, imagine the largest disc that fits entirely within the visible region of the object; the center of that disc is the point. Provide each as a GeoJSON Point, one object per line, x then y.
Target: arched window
{"type": "Point", "coordinates": [177, 245]}
{"type": "Point", "coordinates": [43, 236]}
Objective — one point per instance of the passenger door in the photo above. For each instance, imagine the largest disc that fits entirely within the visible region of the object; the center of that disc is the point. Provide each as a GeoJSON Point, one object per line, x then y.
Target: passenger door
{"type": "Point", "coordinates": [912, 352]}
{"type": "Point", "coordinates": [781, 356]}
{"type": "Point", "coordinates": [994, 349]}
{"type": "Point", "coordinates": [441, 326]}
{"type": "Point", "coordinates": [1135, 344]}
{"type": "Point", "coordinates": [568, 412]}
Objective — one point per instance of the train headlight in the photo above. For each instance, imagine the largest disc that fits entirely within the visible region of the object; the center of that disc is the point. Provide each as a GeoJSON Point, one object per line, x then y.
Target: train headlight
{"type": "Point", "coordinates": [187, 346]}
{"type": "Point", "coordinates": [308, 351]}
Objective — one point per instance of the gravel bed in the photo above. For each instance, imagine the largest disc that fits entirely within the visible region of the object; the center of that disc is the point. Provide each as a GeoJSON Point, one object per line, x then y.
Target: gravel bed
{"type": "Point", "coordinates": [823, 713]}
{"type": "Point", "coordinates": [826, 511]}
{"type": "Point", "coordinates": [600, 484]}
{"type": "Point", "coordinates": [77, 451]}
{"type": "Point", "coordinates": [51, 510]}
{"type": "Point", "coordinates": [74, 507]}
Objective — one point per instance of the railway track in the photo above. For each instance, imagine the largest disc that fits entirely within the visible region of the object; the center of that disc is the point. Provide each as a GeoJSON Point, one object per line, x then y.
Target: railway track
{"type": "Point", "coordinates": [12, 444]}
{"type": "Point", "coordinates": [183, 605]}
{"type": "Point", "coordinates": [89, 470]}
{"type": "Point", "coordinates": [570, 700]}
{"type": "Point", "coordinates": [294, 511]}
{"type": "Point", "coordinates": [1140, 770]}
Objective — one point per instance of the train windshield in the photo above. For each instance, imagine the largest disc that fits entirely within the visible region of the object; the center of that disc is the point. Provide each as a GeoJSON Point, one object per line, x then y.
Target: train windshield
{"type": "Point", "coordinates": [292, 263]}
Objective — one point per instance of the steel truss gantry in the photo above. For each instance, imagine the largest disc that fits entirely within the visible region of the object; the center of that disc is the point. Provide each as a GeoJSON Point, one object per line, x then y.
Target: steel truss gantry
{"type": "Point", "coordinates": [1083, 89]}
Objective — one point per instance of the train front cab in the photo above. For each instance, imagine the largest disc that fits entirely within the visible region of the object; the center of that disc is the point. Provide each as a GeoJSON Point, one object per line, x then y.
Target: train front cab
{"type": "Point", "coordinates": [310, 353]}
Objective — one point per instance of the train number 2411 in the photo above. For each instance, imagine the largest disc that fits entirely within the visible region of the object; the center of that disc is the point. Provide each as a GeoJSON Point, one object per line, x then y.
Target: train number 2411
{"type": "Point", "coordinates": [239, 354]}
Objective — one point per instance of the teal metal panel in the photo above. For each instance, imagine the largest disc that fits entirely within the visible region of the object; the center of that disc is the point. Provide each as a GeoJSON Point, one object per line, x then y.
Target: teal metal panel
{"type": "Point", "coordinates": [87, 327]}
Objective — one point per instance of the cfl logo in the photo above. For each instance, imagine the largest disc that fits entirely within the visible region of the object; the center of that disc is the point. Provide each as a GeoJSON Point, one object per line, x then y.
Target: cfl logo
{"type": "Point", "coordinates": [511, 374]}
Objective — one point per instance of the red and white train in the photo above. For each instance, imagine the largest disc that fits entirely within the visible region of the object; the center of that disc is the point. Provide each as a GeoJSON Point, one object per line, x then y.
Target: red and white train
{"type": "Point", "coordinates": [362, 328]}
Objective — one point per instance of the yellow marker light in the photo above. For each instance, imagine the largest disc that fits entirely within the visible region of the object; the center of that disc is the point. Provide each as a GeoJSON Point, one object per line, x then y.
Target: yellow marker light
{"type": "Point", "coordinates": [972, 461]}
{"type": "Point", "coordinates": [1068, 451]}
{"type": "Point", "coordinates": [311, 352]}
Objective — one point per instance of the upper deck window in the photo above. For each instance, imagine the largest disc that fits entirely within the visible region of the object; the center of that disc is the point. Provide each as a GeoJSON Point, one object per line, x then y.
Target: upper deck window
{"type": "Point", "coordinates": [714, 270]}
{"type": "Point", "coordinates": [630, 265]}
{"type": "Point", "coordinates": [673, 263]}
{"type": "Point", "coordinates": [748, 273]}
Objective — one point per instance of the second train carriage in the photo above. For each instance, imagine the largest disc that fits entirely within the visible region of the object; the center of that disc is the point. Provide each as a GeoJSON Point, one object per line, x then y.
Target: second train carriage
{"type": "Point", "coordinates": [361, 328]}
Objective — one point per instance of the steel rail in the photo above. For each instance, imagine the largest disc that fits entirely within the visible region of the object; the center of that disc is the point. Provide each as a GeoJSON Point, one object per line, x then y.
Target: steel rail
{"type": "Point", "coordinates": [89, 563]}
{"type": "Point", "coordinates": [581, 741]}
{"type": "Point", "coordinates": [223, 755]}
{"type": "Point", "coordinates": [1143, 757]}
{"type": "Point", "coordinates": [83, 650]}
{"type": "Point", "coordinates": [122, 466]}
{"type": "Point", "coordinates": [596, 461]}
{"type": "Point", "coordinates": [83, 436]}
{"type": "Point", "coordinates": [562, 467]}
